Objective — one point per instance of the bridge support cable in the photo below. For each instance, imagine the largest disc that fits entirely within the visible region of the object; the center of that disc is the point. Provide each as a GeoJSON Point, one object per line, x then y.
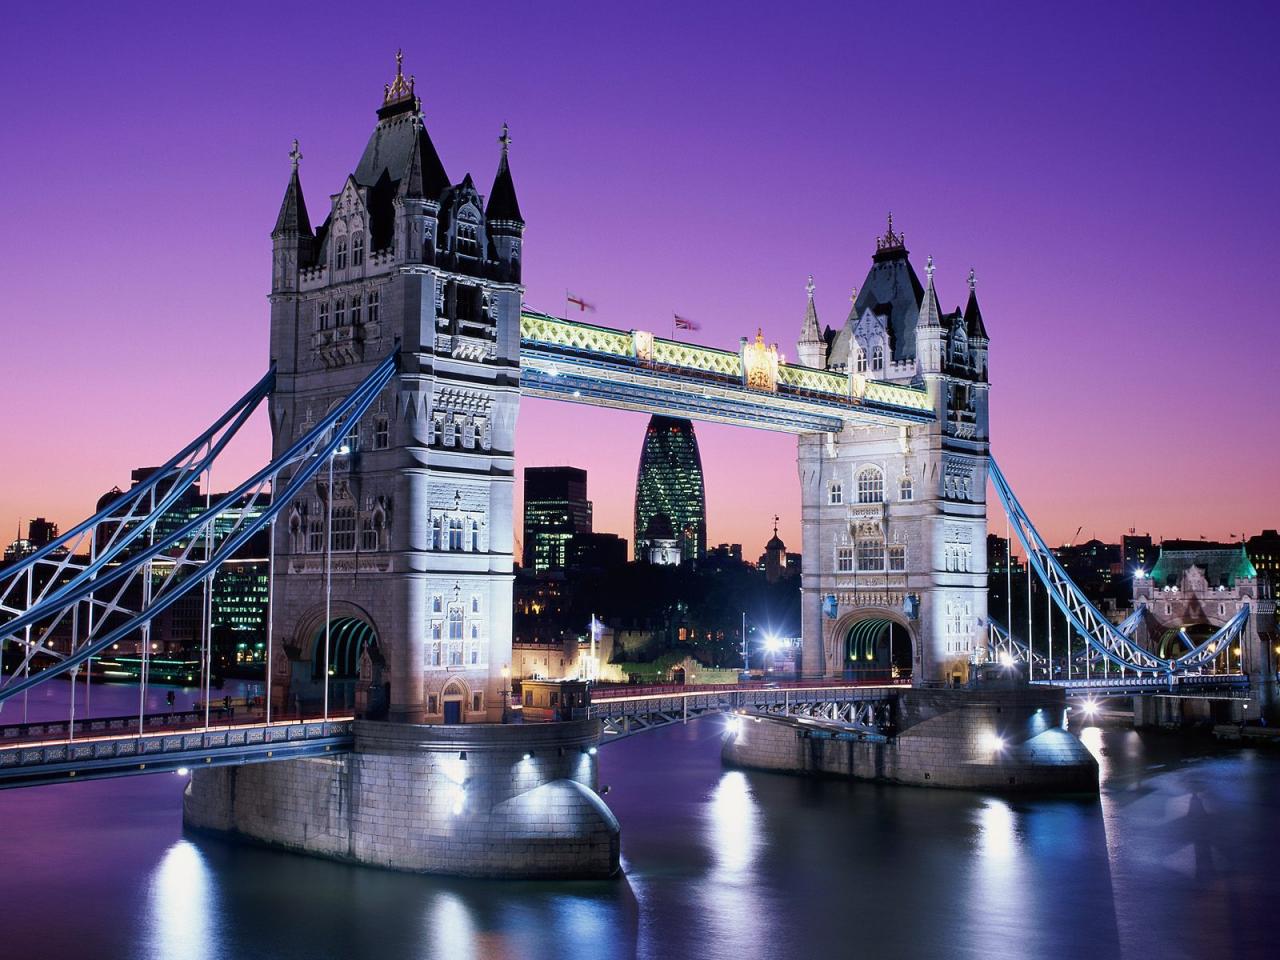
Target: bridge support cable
{"type": "Point", "coordinates": [1098, 632]}
{"type": "Point", "coordinates": [225, 526]}
{"type": "Point", "coordinates": [124, 523]}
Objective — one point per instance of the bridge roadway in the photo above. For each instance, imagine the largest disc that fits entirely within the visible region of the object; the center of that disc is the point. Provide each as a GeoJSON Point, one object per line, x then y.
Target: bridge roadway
{"type": "Point", "coordinates": [47, 752]}
{"type": "Point", "coordinates": [34, 754]}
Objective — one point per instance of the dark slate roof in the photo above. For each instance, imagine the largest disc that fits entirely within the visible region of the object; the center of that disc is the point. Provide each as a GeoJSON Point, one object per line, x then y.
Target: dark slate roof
{"type": "Point", "coordinates": [293, 210]}
{"type": "Point", "coordinates": [973, 318]}
{"type": "Point", "coordinates": [399, 150]}
{"type": "Point", "coordinates": [424, 174]}
{"type": "Point", "coordinates": [502, 198]}
{"type": "Point", "coordinates": [893, 290]}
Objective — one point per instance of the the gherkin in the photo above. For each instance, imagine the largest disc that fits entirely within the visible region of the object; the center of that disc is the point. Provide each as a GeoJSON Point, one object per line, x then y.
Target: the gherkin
{"type": "Point", "coordinates": [669, 482]}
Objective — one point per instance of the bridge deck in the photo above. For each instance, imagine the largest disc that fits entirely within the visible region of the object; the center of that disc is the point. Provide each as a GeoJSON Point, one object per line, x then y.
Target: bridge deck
{"type": "Point", "coordinates": [634, 370]}
{"type": "Point", "coordinates": [32, 763]}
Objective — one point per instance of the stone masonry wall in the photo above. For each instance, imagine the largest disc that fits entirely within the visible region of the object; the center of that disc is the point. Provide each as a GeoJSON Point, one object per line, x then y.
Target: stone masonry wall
{"type": "Point", "coordinates": [939, 747]}
{"type": "Point", "coordinates": [459, 800]}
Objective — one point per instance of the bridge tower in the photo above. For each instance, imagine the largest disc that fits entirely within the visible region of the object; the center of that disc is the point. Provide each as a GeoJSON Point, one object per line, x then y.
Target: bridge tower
{"type": "Point", "coordinates": [894, 517]}
{"type": "Point", "coordinates": [409, 550]}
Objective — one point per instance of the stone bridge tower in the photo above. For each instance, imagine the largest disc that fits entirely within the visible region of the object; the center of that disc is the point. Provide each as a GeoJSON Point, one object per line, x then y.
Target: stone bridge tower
{"type": "Point", "coordinates": [894, 518]}
{"type": "Point", "coordinates": [421, 502]}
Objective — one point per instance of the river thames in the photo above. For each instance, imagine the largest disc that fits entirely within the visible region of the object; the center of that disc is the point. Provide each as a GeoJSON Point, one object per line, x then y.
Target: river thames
{"type": "Point", "coordinates": [1178, 857]}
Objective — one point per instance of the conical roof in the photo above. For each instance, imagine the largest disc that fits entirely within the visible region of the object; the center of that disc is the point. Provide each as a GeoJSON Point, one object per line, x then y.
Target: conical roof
{"type": "Point", "coordinates": [503, 204]}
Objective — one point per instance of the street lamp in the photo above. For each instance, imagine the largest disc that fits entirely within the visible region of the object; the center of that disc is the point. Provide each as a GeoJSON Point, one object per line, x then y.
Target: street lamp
{"type": "Point", "coordinates": [506, 691]}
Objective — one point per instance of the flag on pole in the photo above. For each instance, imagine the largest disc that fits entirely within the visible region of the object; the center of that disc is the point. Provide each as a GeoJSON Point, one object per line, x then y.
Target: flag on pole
{"type": "Point", "coordinates": [579, 302]}
{"type": "Point", "coordinates": [684, 323]}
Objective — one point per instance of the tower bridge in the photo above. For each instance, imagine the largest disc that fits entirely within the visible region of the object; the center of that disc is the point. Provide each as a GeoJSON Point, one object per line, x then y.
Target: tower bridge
{"type": "Point", "coordinates": [399, 351]}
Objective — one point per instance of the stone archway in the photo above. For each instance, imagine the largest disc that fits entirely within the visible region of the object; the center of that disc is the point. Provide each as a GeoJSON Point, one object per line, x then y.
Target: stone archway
{"type": "Point", "coordinates": [354, 648]}
{"type": "Point", "coordinates": [874, 645]}
{"type": "Point", "coordinates": [453, 701]}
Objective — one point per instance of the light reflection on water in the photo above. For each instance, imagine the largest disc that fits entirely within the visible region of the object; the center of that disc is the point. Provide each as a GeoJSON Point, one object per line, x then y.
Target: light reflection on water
{"type": "Point", "coordinates": [721, 863]}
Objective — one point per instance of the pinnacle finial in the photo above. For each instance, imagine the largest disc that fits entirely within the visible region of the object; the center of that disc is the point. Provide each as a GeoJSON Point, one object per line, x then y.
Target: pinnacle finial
{"type": "Point", "coordinates": [809, 287]}
{"type": "Point", "coordinates": [891, 240]}
{"type": "Point", "coordinates": [399, 88]}
{"type": "Point", "coordinates": [853, 295]}
{"type": "Point", "coordinates": [505, 139]}
{"type": "Point", "coordinates": [775, 524]}
{"type": "Point", "coordinates": [295, 155]}
{"type": "Point", "coordinates": [973, 280]}
{"type": "Point", "coordinates": [928, 267]}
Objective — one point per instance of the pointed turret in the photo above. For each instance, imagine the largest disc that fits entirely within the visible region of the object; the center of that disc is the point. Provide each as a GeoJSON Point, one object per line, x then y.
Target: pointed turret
{"type": "Point", "coordinates": [973, 324]}
{"type": "Point", "coordinates": [292, 236]}
{"type": "Point", "coordinates": [293, 217]}
{"type": "Point", "coordinates": [502, 198]}
{"type": "Point", "coordinates": [811, 348]}
{"type": "Point", "coordinates": [929, 333]}
{"type": "Point", "coordinates": [506, 223]}
{"type": "Point", "coordinates": [424, 176]}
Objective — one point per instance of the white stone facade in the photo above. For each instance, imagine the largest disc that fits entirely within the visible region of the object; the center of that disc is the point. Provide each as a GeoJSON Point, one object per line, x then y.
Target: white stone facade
{"type": "Point", "coordinates": [894, 517]}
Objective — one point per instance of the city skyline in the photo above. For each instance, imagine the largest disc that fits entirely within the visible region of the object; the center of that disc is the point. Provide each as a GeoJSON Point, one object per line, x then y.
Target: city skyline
{"type": "Point", "coordinates": [1101, 279]}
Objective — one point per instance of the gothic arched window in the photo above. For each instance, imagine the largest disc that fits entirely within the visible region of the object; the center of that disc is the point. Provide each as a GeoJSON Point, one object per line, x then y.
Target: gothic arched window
{"type": "Point", "coordinates": [340, 254]}
{"type": "Point", "coordinates": [906, 489]}
{"type": "Point", "coordinates": [860, 360]}
{"type": "Point", "coordinates": [877, 359]}
{"type": "Point", "coordinates": [455, 533]}
{"type": "Point", "coordinates": [835, 495]}
{"type": "Point", "coordinates": [357, 249]}
{"type": "Point", "coordinates": [870, 485]}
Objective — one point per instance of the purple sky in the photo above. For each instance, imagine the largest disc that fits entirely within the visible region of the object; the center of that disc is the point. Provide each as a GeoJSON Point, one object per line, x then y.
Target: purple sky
{"type": "Point", "coordinates": [1110, 174]}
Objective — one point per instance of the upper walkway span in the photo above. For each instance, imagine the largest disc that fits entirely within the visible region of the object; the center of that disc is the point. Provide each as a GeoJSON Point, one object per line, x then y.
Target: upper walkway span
{"type": "Point", "coordinates": [752, 387]}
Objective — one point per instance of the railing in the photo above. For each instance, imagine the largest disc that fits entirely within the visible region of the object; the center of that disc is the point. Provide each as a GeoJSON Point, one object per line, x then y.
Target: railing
{"type": "Point", "coordinates": [91, 758]}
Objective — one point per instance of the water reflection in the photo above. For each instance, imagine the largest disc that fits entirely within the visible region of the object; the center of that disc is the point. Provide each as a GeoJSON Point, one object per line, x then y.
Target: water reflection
{"type": "Point", "coordinates": [181, 904]}
{"type": "Point", "coordinates": [729, 900]}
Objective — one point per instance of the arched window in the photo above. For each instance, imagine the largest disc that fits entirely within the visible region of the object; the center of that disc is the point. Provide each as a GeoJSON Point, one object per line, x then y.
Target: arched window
{"type": "Point", "coordinates": [877, 359]}
{"type": "Point", "coordinates": [906, 489]}
{"type": "Point", "coordinates": [340, 254]}
{"type": "Point", "coordinates": [870, 485]}
{"type": "Point", "coordinates": [357, 249]}
{"type": "Point", "coordinates": [860, 360]}
{"type": "Point", "coordinates": [475, 536]}
{"type": "Point", "coordinates": [455, 533]}
{"type": "Point", "coordinates": [455, 623]}
{"type": "Point", "coordinates": [437, 538]}
{"type": "Point", "coordinates": [835, 495]}
{"type": "Point", "coordinates": [871, 555]}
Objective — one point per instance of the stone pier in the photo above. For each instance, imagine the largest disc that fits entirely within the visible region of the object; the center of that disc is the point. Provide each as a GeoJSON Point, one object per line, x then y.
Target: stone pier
{"type": "Point", "coordinates": [481, 800]}
{"type": "Point", "coordinates": [1011, 741]}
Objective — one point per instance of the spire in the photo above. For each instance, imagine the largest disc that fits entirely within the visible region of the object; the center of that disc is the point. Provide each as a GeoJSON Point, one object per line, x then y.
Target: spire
{"type": "Point", "coordinates": [424, 176]}
{"type": "Point", "coordinates": [929, 314]}
{"type": "Point", "coordinates": [502, 198]}
{"type": "Point", "coordinates": [293, 209]}
{"type": "Point", "coordinates": [974, 326]}
{"type": "Point", "coordinates": [810, 349]}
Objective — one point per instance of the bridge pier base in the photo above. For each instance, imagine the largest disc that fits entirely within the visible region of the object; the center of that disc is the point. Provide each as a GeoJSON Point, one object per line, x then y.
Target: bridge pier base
{"type": "Point", "coordinates": [1174, 711]}
{"type": "Point", "coordinates": [480, 800]}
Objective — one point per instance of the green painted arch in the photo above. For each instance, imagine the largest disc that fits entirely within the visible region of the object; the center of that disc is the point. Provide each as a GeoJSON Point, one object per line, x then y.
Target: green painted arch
{"type": "Point", "coordinates": [348, 638]}
{"type": "Point", "coordinates": [874, 645]}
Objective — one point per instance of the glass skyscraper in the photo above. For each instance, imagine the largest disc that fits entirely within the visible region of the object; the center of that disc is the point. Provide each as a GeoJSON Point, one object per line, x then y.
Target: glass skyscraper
{"type": "Point", "coordinates": [555, 508]}
{"type": "Point", "coordinates": [669, 482]}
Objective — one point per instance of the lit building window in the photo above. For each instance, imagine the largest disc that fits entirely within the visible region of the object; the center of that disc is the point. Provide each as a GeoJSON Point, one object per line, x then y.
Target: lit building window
{"type": "Point", "coordinates": [835, 494]}
{"type": "Point", "coordinates": [870, 485]}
